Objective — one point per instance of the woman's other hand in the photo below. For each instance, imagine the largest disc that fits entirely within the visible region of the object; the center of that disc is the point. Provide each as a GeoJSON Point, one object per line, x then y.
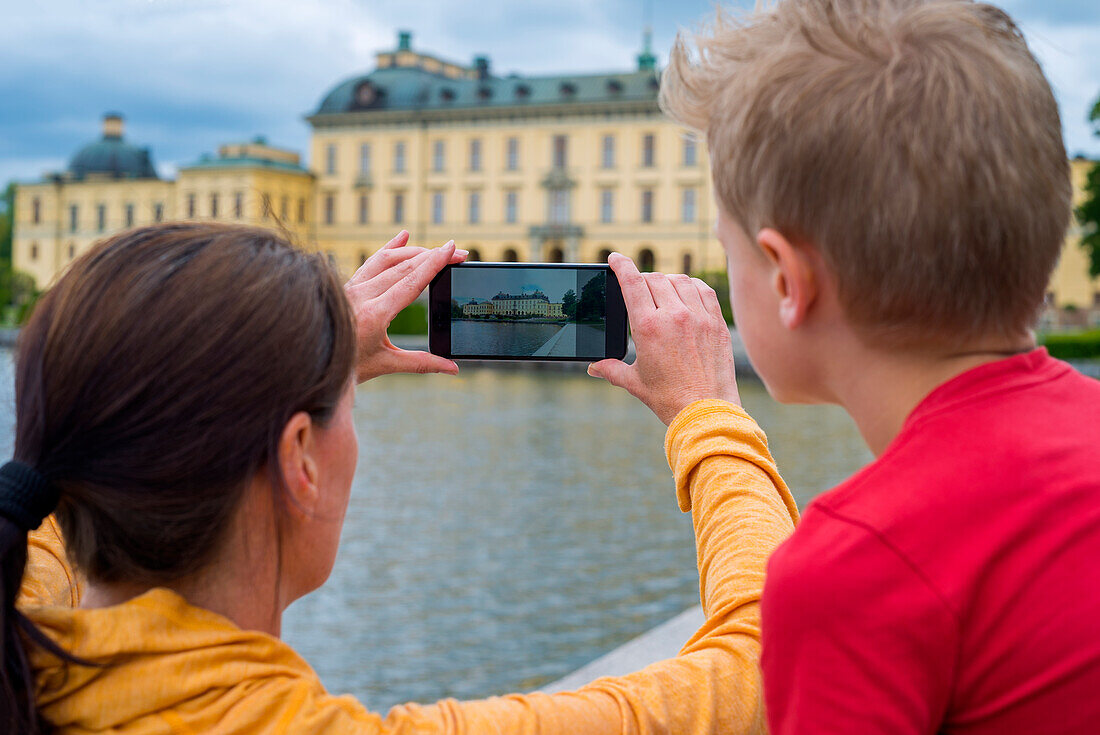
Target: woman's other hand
{"type": "Point", "coordinates": [681, 340]}
{"type": "Point", "coordinates": [386, 283]}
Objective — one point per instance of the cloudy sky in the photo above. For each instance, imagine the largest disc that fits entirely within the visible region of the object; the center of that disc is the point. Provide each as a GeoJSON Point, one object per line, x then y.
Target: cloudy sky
{"type": "Point", "coordinates": [191, 74]}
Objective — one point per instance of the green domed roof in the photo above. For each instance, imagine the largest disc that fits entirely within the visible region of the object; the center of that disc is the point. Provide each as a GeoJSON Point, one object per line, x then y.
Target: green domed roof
{"type": "Point", "coordinates": [114, 157]}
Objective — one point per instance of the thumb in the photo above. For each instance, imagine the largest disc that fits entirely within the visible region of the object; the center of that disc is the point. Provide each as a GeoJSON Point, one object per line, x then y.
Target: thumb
{"type": "Point", "coordinates": [405, 361]}
{"type": "Point", "coordinates": [616, 372]}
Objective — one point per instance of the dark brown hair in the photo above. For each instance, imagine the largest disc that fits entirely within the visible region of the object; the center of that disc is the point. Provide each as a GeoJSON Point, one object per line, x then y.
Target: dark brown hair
{"type": "Point", "coordinates": [153, 380]}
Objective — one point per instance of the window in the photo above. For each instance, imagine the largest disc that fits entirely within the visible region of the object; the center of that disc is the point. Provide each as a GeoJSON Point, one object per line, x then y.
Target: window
{"type": "Point", "coordinates": [364, 158]}
{"type": "Point", "coordinates": [687, 210]}
{"type": "Point", "coordinates": [687, 263]}
{"type": "Point", "coordinates": [74, 217]}
{"type": "Point", "coordinates": [36, 210]}
{"type": "Point", "coordinates": [646, 260]}
{"type": "Point", "coordinates": [34, 251]}
{"type": "Point", "coordinates": [398, 207]}
{"type": "Point", "coordinates": [72, 251]}
{"type": "Point", "coordinates": [511, 256]}
{"type": "Point", "coordinates": [129, 215]}
{"type": "Point", "coordinates": [690, 150]}
{"type": "Point", "coordinates": [437, 208]}
{"type": "Point", "coordinates": [265, 205]}
{"type": "Point", "coordinates": [438, 154]}
{"type": "Point", "coordinates": [364, 209]}
{"type": "Point", "coordinates": [561, 153]}
{"type": "Point", "coordinates": [511, 205]}
{"type": "Point", "coordinates": [557, 255]}
{"type": "Point", "coordinates": [330, 209]}
{"type": "Point", "coordinates": [238, 204]}
{"type": "Point", "coordinates": [607, 206]}
{"type": "Point", "coordinates": [647, 205]}
{"type": "Point", "coordinates": [475, 207]}
{"type": "Point", "coordinates": [302, 209]}
{"type": "Point", "coordinates": [158, 212]}
{"type": "Point", "coordinates": [284, 208]}
{"type": "Point", "coordinates": [101, 217]}
{"type": "Point", "coordinates": [608, 159]}
{"type": "Point", "coordinates": [214, 205]}
{"type": "Point", "coordinates": [190, 205]}
{"type": "Point", "coordinates": [648, 143]}
{"type": "Point", "coordinates": [513, 154]}
{"type": "Point", "coordinates": [474, 256]}
{"type": "Point", "coordinates": [330, 159]}
{"type": "Point", "coordinates": [399, 157]}
{"type": "Point", "coordinates": [604, 255]}
{"type": "Point", "coordinates": [475, 154]}
{"type": "Point", "coordinates": [559, 206]}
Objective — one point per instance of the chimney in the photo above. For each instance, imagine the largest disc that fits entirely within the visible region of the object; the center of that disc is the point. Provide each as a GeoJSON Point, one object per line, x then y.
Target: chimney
{"type": "Point", "coordinates": [112, 125]}
{"type": "Point", "coordinates": [404, 40]}
{"type": "Point", "coordinates": [481, 66]}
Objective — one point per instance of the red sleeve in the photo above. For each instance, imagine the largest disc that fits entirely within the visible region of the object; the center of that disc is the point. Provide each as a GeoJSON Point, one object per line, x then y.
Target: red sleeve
{"type": "Point", "coordinates": [854, 638]}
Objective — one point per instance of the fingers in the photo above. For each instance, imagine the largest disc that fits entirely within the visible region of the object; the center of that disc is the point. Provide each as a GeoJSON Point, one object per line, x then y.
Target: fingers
{"type": "Point", "coordinates": [664, 295]}
{"type": "Point", "coordinates": [618, 373]}
{"type": "Point", "coordinates": [399, 240]}
{"type": "Point", "coordinates": [708, 297]}
{"type": "Point", "coordinates": [399, 289]}
{"type": "Point", "coordinates": [383, 260]}
{"type": "Point", "coordinates": [686, 290]}
{"type": "Point", "coordinates": [639, 301]}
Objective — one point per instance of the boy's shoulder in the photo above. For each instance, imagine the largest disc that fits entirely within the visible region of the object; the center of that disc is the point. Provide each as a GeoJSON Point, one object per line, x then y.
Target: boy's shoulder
{"type": "Point", "coordinates": [980, 462]}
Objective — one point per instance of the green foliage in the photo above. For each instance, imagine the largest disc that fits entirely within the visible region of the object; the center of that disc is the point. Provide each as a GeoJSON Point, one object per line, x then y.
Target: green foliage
{"type": "Point", "coordinates": [720, 282]}
{"type": "Point", "coordinates": [456, 310]}
{"type": "Point", "coordinates": [569, 304]}
{"type": "Point", "coordinates": [592, 304]}
{"type": "Point", "coordinates": [1088, 213]}
{"type": "Point", "coordinates": [7, 218]}
{"type": "Point", "coordinates": [1073, 344]}
{"type": "Point", "coordinates": [413, 319]}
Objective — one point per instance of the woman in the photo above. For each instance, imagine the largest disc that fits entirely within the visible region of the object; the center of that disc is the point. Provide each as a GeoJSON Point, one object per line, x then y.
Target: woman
{"type": "Point", "coordinates": [183, 400]}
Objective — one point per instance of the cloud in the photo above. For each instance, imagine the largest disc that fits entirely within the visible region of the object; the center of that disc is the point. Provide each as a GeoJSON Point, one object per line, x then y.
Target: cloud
{"type": "Point", "coordinates": [192, 74]}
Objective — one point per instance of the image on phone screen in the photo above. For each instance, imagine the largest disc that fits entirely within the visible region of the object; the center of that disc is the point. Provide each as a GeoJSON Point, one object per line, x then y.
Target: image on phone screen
{"type": "Point", "coordinates": [528, 312]}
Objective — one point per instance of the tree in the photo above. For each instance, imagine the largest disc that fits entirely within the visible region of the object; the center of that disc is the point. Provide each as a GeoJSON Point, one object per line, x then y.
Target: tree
{"type": "Point", "coordinates": [591, 305]}
{"type": "Point", "coordinates": [1088, 213]}
{"type": "Point", "coordinates": [569, 304]}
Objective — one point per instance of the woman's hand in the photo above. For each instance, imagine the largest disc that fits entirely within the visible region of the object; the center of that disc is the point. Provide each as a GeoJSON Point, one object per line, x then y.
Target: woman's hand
{"type": "Point", "coordinates": [681, 340]}
{"type": "Point", "coordinates": [386, 283]}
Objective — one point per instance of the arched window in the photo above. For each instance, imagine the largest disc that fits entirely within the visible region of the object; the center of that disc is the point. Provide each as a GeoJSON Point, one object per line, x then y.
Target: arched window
{"type": "Point", "coordinates": [556, 256]}
{"type": "Point", "coordinates": [474, 256]}
{"type": "Point", "coordinates": [362, 256]}
{"type": "Point", "coordinates": [604, 255]}
{"type": "Point", "coordinates": [687, 263]}
{"type": "Point", "coordinates": [511, 256]}
{"type": "Point", "coordinates": [646, 260]}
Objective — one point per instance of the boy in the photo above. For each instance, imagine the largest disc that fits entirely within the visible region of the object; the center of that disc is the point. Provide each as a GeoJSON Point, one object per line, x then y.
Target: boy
{"type": "Point", "coordinates": [893, 192]}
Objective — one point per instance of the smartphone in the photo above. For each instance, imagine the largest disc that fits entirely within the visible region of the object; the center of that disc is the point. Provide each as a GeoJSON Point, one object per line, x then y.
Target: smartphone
{"type": "Point", "coordinates": [526, 311]}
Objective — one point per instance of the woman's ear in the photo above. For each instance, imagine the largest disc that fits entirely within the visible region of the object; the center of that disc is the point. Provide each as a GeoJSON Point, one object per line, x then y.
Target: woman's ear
{"type": "Point", "coordinates": [795, 281]}
{"type": "Point", "coordinates": [299, 466]}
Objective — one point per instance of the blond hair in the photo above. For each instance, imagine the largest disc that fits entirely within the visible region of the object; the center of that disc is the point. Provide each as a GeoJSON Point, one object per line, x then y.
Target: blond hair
{"type": "Point", "coordinates": [916, 144]}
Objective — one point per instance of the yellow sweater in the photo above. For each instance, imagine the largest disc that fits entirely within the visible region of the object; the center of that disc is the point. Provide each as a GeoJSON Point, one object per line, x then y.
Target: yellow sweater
{"type": "Point", "coordinates": [170, 667]}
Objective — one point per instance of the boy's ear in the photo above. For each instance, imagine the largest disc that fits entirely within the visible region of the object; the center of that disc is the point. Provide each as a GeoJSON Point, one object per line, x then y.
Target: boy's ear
{"type": "Point", "coordinates": [296, 446]}
{"type": "Point", "coordinates": [794, 281]}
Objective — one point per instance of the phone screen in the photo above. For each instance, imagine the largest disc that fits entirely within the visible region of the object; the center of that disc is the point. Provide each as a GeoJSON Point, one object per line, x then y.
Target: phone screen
{"type": "Point", "coordinates": [534, 312]}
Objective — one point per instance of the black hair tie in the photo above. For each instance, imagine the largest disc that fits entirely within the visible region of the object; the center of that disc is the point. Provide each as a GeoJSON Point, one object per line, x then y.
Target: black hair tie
{"type": "Point", "coordinates": [26, 497]}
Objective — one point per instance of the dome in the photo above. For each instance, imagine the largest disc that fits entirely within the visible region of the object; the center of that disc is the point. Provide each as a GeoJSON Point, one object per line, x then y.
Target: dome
{"type": "Point", "coordinates": [112, 156]}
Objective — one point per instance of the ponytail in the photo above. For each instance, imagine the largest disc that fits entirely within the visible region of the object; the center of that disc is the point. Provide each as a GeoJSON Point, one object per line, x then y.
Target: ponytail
{"type": "Point", "coordinates": [26, 498]}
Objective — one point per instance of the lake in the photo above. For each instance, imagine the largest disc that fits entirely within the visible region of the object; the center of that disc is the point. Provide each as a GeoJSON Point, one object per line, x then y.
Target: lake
{"type": "Point", "coordinates": [508, 526]}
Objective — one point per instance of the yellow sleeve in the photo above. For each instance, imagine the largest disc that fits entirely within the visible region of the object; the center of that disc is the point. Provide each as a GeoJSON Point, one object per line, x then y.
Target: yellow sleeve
{"type": "Point", "coordinates": [741, 511]}
{"type": "Point", "coordinates": [48, 578]}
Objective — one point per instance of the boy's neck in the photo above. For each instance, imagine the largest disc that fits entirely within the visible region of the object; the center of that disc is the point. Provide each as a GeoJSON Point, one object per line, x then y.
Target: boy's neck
{"type": "Point", "coordinates": [879, 389]}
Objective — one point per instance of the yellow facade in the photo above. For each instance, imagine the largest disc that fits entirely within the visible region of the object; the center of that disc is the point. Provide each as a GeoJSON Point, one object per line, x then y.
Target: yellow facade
{"type": "Point", "coordinates": [1071, 285]}
{"type": "Point", "coordinates": [558, 169]}
{"type": "Point", "coordinates": [251, 183]}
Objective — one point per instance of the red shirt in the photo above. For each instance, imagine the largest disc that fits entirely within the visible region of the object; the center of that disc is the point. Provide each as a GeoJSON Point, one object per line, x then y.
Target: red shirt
{"type": "Point", "coordinates": [953, 585]}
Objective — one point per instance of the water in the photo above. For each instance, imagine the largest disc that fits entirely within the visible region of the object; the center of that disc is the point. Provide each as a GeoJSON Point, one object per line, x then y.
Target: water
{"type": "Point", "coordinates": [507, 527]}
{"type": "Point", "coordinates": [499, 338]}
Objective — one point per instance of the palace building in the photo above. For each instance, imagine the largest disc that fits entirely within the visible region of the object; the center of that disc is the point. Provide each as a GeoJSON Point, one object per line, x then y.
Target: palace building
{"type": "Point", "coordinates": [562, 168]}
